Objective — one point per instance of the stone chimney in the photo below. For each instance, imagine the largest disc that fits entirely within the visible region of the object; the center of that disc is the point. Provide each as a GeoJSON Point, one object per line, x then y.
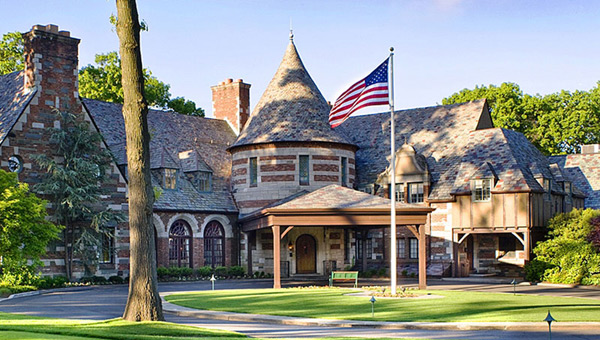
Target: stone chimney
{"type": "Point", "coordinates": [590, 148]}
{"type": "Point", "coordinates": [231, 102]}
{"type": "Point", "coordinates": [51, 58]}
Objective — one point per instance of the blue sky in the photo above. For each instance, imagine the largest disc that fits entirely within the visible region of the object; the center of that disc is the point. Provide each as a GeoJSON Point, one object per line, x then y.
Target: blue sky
{"type": "Point", "coordinates": [442, 46]}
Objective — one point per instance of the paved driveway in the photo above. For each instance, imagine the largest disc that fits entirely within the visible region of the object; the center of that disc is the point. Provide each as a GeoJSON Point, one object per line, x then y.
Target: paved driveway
{"type": "Point", "coordinates": [105, 302]}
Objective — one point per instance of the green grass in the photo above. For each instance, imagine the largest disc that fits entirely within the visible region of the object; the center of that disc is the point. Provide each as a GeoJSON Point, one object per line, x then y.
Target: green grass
{"type": "Point", "coordinates": [13, 326]}
{"type": "Point", "coordinates": [23, 327]}
{"type": "Point", "coordinates": [333, 304]}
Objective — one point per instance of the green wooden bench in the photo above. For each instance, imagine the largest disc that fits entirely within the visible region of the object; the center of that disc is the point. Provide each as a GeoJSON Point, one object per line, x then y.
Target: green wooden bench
{"type": "Point", "coordinates": [343, 276]}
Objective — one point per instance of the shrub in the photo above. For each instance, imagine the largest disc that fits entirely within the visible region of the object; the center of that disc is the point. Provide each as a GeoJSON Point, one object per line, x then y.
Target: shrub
{"type": "Point", "coordinates": [6, 289]}
{"type": "Point", "coordinates": [94, 280]}
{"type": "Point", "coordinates": [205, 271]}
{"type": "Point", "coordinates": [569, 249]}
{"type": "Point", "coordinates": [115, 279]}
{"type": "Point", "coordinates": [534, 270]}
{"type": "Point", "coordinates": [404, 272]}
{"type": "Point", "coordinates": [221, 271]}
{"type": "Point", "coordinates": [162, 273]}
{"type": "Point", "coordinates": [382, 272]}
{"type": "Point", "coordinates": [236, 271]}
{"type": "Point", "coordinates": [19, 275]}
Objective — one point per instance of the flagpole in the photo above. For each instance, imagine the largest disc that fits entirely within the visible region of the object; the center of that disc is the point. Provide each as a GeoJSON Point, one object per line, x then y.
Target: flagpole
{"type": "Point", "coordinates": [393, 246]}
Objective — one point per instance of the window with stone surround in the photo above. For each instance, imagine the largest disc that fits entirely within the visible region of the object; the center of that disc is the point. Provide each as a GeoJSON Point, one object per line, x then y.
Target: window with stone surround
{"type": "Point", "coordinates": [214, 244]}
{"type": "Point", "coordinates": [364, 238]}
{"type": "Point", "coordinates": [482, 190]}
{"type": "Point", "coordinates": [399, 192]}
{"type": "Point", "coordinates": [344, 169]}
{"type": "Point", "coordinates": [413, 248]}
{"type": "Point", "coordinates": [304, 173]}
{"type": "Point", "coordinates": [180, 244]}
{"type": "Point", "coordinates": [415, 193]}
{"type": "Point", "coordinates": [106, 253]}
{"type": "Point", "coordinates": [170, 179]}
{"type": "Point", "coordinates": [253, 171]}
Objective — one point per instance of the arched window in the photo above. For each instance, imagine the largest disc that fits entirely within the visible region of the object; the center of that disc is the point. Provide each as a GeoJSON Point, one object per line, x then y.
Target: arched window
{"type": "Point", "coordinates": [180, 244]}
{"type": "Point", "coordinates": [214, 244]}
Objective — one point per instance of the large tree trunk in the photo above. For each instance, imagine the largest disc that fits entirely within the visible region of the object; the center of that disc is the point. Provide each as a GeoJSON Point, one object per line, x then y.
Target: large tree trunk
{"type": "Point", "coordinates": [143, 301]}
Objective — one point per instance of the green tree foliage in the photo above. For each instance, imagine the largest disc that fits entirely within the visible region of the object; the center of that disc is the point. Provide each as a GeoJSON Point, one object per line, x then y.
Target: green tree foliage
{"type": "Point", "coordinates": [73, 183]}
{"type": "Point", "coordinates": [103, 82]}
{"type": "Point", "coordinates": [569, 252]}
{"type": "Point", "coordinates": [11, 53]}
{"type": "Point", "coordinates": [24, 230]}
{"type": "Point", "coordinates": [557, 123]}
{"type": "Point", "coordinates": [187, 107]}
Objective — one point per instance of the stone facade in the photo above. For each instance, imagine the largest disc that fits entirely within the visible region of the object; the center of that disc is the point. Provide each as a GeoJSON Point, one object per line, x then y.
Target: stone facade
{"type": "Point", "coordinates": [278, 171]}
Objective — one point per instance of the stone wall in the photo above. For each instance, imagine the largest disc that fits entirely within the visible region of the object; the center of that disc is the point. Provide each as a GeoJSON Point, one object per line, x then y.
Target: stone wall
{"type": "Point", "coordinates": [278, 172]}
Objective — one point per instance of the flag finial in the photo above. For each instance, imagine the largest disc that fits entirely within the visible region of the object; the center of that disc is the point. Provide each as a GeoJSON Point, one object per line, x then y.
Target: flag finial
{"type": "Point", "coordinates": [291, 31]}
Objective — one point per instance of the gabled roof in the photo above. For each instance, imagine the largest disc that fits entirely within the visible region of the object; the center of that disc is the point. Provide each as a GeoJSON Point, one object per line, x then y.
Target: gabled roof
{"type": "Point", "coordinates": [291, 109]}
{"type": "Point", "coordinates": [584, 171]}
{"type": "Point", "coordinates": [332, 198]}
{"type": "Point", "coordinates": [458, 147]}
{"type": "Point", "coordinates": [171, 134]}
{"type": "Point", "coordinates": [13, 100]}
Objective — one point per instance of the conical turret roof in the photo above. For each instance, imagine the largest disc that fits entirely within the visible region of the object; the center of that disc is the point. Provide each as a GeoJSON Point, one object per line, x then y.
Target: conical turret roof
{"type": "Point", "coordinates": [292, 109]}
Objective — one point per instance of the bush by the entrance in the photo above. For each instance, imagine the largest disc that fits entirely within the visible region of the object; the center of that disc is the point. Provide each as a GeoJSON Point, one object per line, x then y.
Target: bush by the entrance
{"type": "Point", "coordinates": [570, 251]}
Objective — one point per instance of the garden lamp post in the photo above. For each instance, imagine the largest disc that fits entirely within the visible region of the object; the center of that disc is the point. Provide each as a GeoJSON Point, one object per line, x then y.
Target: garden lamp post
{"type": "Point", "coordinates": [372, 306]}
{"type": "Point", "coordinates": [514, 283]}
{"type": "Point", "coordinates": [212, 281]}
{"type": "Point", "coordinates": [549, 320]}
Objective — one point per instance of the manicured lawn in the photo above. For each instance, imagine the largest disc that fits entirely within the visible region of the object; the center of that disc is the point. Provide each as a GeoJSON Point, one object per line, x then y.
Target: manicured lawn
{"type": "Point", "coordinates": [13, 326]}
{"type": "Point", "coordinates": [333, 304]}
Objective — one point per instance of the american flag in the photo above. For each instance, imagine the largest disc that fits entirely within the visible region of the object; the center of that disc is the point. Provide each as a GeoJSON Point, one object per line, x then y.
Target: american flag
{"type": "Point", "coordinates": [372, 90]}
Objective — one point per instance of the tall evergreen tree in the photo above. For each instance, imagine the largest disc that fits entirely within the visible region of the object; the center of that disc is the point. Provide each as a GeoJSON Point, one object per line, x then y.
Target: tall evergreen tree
{"type": "Point", "coordinates": [75, 172]}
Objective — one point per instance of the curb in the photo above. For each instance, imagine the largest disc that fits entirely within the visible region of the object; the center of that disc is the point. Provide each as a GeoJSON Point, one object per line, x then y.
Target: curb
{"type": "Point", "coordinates": [44, 291]}
{"type": "Point", "coordinates": [286, 320]}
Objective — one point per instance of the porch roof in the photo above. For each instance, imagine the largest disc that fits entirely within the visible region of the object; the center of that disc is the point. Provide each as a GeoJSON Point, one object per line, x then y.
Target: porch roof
{"type": "Point", "coordinates": [334, 205]}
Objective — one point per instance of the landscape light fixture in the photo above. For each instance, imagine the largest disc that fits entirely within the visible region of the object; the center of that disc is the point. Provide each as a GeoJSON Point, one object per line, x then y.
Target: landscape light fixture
{"type": "Point", "coordinates": [514, 283]}
{"type": "Point", "coordinates": [372, 306]}
{"type": "Point", "coordinates": [549, 320]}
{"type": "Point", "coordinates": [212, 281]}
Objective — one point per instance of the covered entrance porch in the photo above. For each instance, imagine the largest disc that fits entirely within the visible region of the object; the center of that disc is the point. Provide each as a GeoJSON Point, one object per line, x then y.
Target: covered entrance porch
{"type": "Point", "coordinates": [315, 233]}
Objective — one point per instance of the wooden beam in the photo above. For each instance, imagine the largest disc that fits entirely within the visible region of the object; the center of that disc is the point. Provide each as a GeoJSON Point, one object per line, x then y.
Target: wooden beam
{"type": "Point", "coordinates": [422, 258]}
{"type": "Point", "coordinates": [287, 230]}
{"type": "Point", "coordinates": [520, 239]}
{"type": "Point", "coordinates": [527, 245]}
{"type": "Point", "coordinates": [413, 230]}
{"type": "Point", "coordinates": [276, 256]}
{"type": "Point", "coordinates": [463, 238]}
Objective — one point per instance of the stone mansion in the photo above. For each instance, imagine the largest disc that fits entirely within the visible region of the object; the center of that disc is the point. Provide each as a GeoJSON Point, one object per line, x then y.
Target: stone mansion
{"type": "Point", "coordinates": [278, 190]}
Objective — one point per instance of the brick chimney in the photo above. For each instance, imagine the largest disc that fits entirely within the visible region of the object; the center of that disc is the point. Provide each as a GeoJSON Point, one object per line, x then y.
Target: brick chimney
{"type": "Point", "coordinates": [231, 102]}
{"type": "Point", "coordinates": [590, 148]}
{"type": "Point", "coordinates": [51, 58]}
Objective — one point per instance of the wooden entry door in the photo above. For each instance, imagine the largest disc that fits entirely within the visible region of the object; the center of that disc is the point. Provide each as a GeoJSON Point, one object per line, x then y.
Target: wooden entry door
{"type": "Point", "coordinates": [306, 255]}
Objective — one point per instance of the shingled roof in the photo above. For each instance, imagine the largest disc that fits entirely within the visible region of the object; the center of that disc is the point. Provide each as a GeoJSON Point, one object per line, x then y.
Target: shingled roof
{"type": "Point", "coordinates": [13, 100]}
{"type": "Point", "coordinates": [458, 145]}
{"type": "Point", "coordinates": [291, 109]}
{"type": "Point", "coordinates": [178, 141]}
{"type": "Point", "coordinates": [584, 171]}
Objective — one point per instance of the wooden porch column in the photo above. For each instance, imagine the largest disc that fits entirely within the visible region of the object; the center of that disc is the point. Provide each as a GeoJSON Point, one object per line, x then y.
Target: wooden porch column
{"type": "Point", "coordinates": [455, 272]}
{"type": "Point", "coordinates": [527, 245]}
{"type": "Point", "coordinates": [276, 256]}
{"type": "Point", "coordinates": [422, 258]}
{"type": "Point", "coordinates": [251, 241]}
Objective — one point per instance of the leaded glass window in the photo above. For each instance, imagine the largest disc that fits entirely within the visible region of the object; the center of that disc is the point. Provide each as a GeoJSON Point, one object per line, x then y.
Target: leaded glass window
{"type": "Point", "coordinates": [304, 174]}
{"type": "Point", "coordinates": [214, 244]}
{"type": "Point", "coordinates": [180, 244]}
